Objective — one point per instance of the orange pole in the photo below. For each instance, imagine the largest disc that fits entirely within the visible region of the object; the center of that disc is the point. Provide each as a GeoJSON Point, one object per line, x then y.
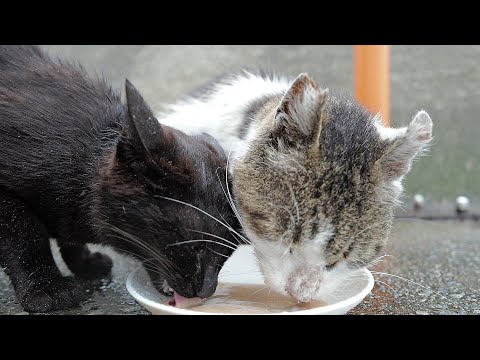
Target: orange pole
{"type": "Point", "coordinates": [372, 78]}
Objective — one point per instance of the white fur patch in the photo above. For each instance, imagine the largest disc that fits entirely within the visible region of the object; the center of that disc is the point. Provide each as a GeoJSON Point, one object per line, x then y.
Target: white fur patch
{"type": "Point", "coordinates": [326, 232]}
{"type": "Point", "coordinates": [300, 273]}
{"type": "Point", "coordinates": [220, 114]}
{"type": "Point", "coordinates": [166, 287]}
{"type": "Point", "coordinates": [388, 133]}
{"type": "Point", "coordinates": [242, 147]}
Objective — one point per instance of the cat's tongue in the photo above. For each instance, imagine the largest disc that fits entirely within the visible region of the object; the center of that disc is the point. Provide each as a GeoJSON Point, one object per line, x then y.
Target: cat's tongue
{"type": "Point", "coordinates": [184, 303]}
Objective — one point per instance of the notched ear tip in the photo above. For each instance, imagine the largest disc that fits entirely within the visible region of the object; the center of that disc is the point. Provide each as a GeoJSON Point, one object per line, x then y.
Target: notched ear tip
{"type": "Point", "coordinates": [323, 95]}
{"type": "Point", "coordinates": [303, 75]}
{"type": "Point", "coordinates": [421, 125]}
{"type": "Point", "coordinates": [305, 80]}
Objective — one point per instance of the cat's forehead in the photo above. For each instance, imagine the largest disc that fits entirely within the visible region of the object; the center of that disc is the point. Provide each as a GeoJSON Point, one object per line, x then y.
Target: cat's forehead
{"type": "Point", "coordinates": [350, 134]}
{"type": "Point", "coordinates": [351, 138]}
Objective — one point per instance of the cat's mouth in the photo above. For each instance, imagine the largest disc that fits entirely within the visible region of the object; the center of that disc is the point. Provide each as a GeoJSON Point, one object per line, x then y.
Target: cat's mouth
{"type": "Point", "coordinates": [178, 300]}
{"type": "Point", "coordinates": [184, 303]}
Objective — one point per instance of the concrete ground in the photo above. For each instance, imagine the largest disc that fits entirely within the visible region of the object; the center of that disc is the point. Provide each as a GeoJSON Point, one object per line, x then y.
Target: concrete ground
{"type": "Point", "coordinates": [444, 80]}
{"type": "Point", "coordinates": [439, 261]}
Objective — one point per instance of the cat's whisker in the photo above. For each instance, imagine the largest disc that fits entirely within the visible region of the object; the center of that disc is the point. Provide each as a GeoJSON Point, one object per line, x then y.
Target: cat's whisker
{"type": "Point", "coordinates": [154, 270]}
{"type": "Point", "coordinates": [134, 255]}
{"type": "Point", "coordinates": [270, 295]}
{"type": "Point", "coordinates": [378, 260]}
{"type": "Point", "coordinates": [265, 287]}
{"type": "Point", "coordinates": [367, 228]}
{"type": "Point", "coordinates": [211, 216]}
{"type": "Point", "coordinates": [200, 240]}
{"type": "Point", "coordinates": [227, 193]}
{"type": "Point", "coordinates": [232, 205]}
{"type": "Point", "coordinates": [355, 276]}
{"type": "Point", "coordinates": [410, 281]}
{"type": "Point", "coordinates": [121, 234]}
{"type": "Point", "coordinates": [141, 246]}
{"type": "Point", "coordinates": [158, 261]}
{"type": "Point", "coordinates": [202, 211]}
{"type": "Point", "coordinates": [216, 252]}
{"type": "Point", "coordinates": [224, 220]}
{"type": "Point", "coordinates": [153, 266]}
{"type": "Point", "coordinates": [215, 236]}
{"type": "Point", "coordinates": [258, 260]}
{"type": "Point", "coordinates": [32, 273]}
{"type": "Point", "coordinates": [230, 195]}
{"type": "Point", "coordinates": [230, 202]}
{"type": "Point", "coordinates": [387, 285]}
{"type": "Point", "coordinates": [261, 252]}
{"type": "Point", "coordinates": [142, 259]}
{"type": "Point", "coordinates": [287, 249]}
{"type": "Point", "coordinates": [231, 233]}
{"type": "Point", "coordinates": [226, 183]}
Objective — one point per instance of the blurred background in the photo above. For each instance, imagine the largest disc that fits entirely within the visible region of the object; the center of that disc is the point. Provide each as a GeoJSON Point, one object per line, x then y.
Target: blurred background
{"type": "Point", "coordinates": [443, 80]}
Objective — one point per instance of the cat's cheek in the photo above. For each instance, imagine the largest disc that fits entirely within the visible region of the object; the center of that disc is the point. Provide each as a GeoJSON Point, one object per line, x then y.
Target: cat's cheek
{"type": "Point", "coordinates": [274, 272]}
{"type": "Point", "coordinates": [333, 280]}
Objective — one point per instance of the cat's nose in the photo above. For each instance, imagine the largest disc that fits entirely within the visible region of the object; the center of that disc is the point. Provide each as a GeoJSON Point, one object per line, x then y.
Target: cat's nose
{"type": "Point", "coordinates": [207, 282]}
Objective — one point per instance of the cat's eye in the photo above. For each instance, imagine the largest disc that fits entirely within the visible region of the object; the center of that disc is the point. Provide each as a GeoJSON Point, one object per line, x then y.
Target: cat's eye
{"type": "Point", "coordinates": [330, 266]}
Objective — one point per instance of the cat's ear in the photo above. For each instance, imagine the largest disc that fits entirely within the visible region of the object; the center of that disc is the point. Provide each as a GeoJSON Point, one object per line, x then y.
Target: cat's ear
{"type": "Point", "coordinates": [143, 130]}
{"type": "Point", "coordinates": [299, 115]}
{"type": "Point", "coordinates": [397, 160]}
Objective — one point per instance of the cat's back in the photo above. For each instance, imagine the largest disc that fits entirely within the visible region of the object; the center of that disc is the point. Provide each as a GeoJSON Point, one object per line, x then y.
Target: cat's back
{"type": "Point", "coordinates": [51, 113]}
{"type": "Point", "coordinates": [34, 87]}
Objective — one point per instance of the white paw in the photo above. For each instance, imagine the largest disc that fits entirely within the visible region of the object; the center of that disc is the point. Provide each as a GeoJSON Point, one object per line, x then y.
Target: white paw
{"type": "Point", "coordinates": [167, 289]}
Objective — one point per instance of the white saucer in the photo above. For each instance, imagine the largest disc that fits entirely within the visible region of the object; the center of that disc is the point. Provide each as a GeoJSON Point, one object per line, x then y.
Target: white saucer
{"type": "Point", "coordinates": [242, 268]}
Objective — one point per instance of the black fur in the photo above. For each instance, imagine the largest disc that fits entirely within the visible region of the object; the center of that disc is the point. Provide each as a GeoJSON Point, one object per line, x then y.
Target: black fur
{"type": "Point", "coordinates": [79, 166]}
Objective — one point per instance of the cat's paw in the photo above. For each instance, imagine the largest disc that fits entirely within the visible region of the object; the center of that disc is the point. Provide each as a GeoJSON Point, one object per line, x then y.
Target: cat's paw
{"type": "Point", "coordinates": [166, 289]}
{"type": "Point", "coordinates": [94, 266]}
{"type": "Point", "coordinates": [56, 294]}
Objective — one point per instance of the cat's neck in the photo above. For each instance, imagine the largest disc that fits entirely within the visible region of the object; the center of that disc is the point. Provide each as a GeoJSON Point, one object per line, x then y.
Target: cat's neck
{"type": "Point", "coordinates": [227, 110]}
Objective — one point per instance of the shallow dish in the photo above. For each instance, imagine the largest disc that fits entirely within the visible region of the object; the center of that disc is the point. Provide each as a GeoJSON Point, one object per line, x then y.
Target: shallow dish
{"type": "Point", "coordinates": [242, 269]}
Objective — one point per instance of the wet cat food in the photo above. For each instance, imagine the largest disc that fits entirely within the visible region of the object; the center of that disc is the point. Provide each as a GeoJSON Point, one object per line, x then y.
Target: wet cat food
{"type": "Point", "coordinates": [231, 298]}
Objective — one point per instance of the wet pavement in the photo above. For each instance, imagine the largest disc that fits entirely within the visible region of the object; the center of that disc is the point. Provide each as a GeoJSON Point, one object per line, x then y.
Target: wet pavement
{"type": "Point", "coordinates": [440, 261]}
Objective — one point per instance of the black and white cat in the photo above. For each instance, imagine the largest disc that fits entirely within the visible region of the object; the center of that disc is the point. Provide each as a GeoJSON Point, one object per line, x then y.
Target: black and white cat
{"type": "Point", "coordinates": [78, 165]}
{"type": "Point", "coordinates": [315, 177]}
